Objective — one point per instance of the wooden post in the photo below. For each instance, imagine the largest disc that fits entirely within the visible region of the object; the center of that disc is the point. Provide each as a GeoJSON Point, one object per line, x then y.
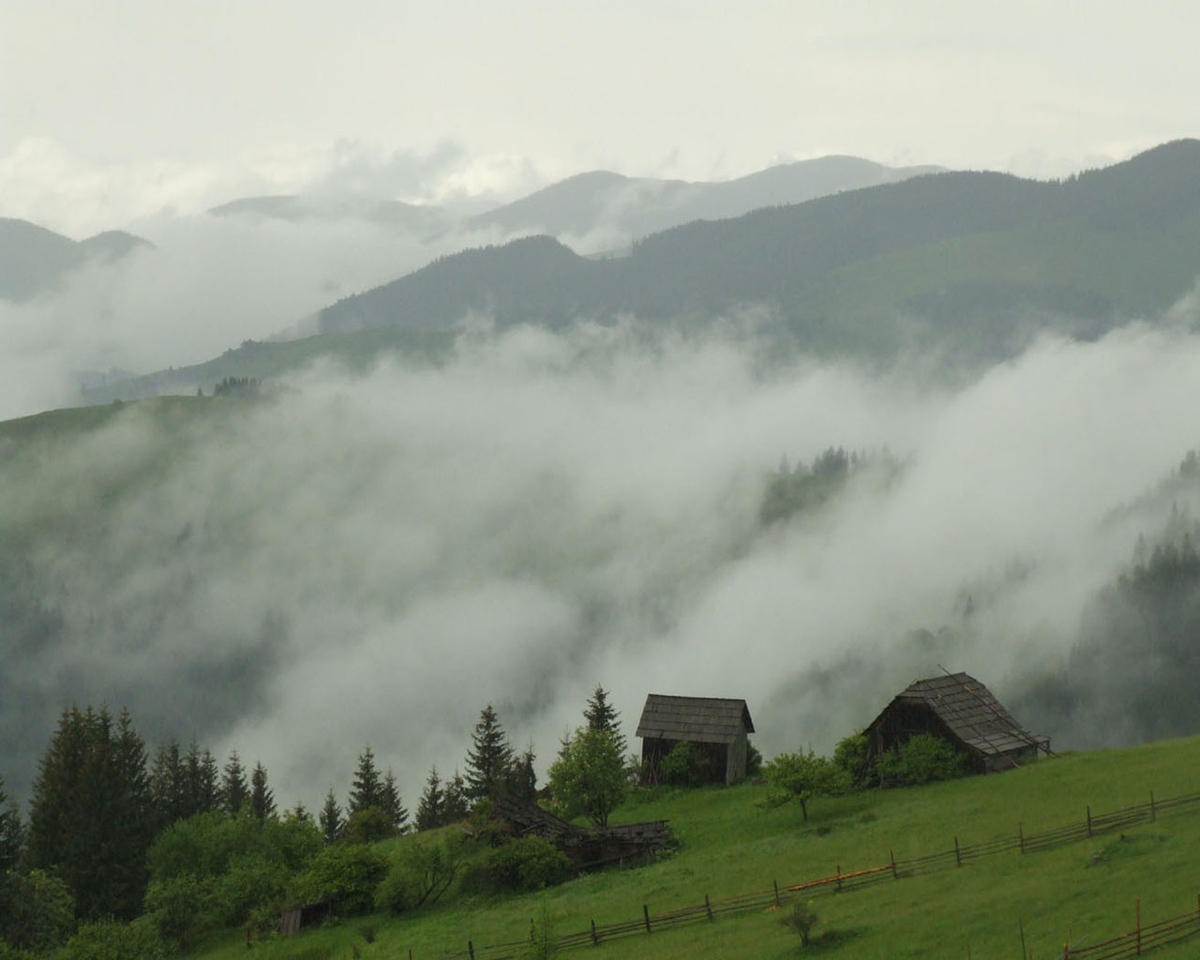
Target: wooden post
{"type": "Point", "coordinates": [839, 878]}
{"type": "Point", "coordinates": [707, 906]}
{"type": "Point", "coordinates": [1021, 837]}
{"type": "Point", "coordinates": [1137, 906]}
{"type": "Point", "coordinates": [957, 854]}
{"type": "Point", "coordinates": [1021, 927]}
{"type": "Point", "coordinates": [776, 882]}
{"type": "Point", "coordinates": [1089, 819]}
{"type": "Point", "coordinates": [410, 953]}
{"type": "Point", "coordinates": [595, 938]}
{"type": "Point", "coordinates": [1153, 812]}
{"type": "Point", "coordinates": [471, 949]}
{"type": "Point", "coordinates": [892, 854]}
{"type": "Point", "coordinates": [1066, 951]}
{"type": "Point", "coordinates": [646, 914]}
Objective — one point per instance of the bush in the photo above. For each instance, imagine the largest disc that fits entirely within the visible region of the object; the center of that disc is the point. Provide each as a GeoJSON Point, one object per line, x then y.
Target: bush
{"type": "Point", "coordinates": [921, 759]}
{"type": "Point", "coordinates": [347, 874]}
{"type": "Point", "coordinates": [684, 766]}
{"type": "Point", "coordinates": [114, 941]}
{"type": "Point", "coordinates": [801, 921]}
{"type": "Point", "coordinates": [180, 909]}
{"type": "Point", "coordinates": [41, 911]}
{"type": "Point", "coordinates": [850, 755]}
{"type": "Point", "coordinates": [528, 863]}
{"type": "Point", "coordinates": [754, 761]}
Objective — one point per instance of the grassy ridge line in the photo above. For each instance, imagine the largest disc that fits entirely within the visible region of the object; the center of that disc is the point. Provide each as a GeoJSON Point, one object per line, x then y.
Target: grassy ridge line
{"type": "Point", "coordinates": [729, 845]}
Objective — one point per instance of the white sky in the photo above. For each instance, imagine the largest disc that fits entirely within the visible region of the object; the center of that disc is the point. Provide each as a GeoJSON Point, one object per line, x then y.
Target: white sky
{"type": "Point", "coordinates": [114, 111]}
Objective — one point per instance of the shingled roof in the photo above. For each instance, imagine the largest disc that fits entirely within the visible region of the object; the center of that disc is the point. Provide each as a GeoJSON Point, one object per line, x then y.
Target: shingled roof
{"type": "Point", "coordinates": [971, 712]}
{"type": "Point", "coordinates": [699, 719]}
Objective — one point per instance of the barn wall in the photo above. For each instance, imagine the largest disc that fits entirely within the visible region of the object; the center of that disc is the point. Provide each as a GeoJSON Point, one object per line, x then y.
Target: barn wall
{"type": "Point", "coordinates": [735, 760]}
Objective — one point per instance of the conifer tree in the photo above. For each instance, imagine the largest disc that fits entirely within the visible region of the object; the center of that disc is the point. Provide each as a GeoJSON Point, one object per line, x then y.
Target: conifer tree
{"type": "Point", "coordinates": [522, 780]}
{"type": "Point", "coordinates": [207, 783]}
{"type": "Point", "coordinates": [600, 715]}
{"type": "Point", "coordinates": [331, 818]}
{"type": "Point", "coordinates": [12, 833]}
{"type": "Point", "coordinates": [234, 791]}
{"type": "Point", "coordinates": [431, 807]}
{"type": "Point", "coordinates": [168, 786]}
{"type": "Point", "coordinates": [490, 758]}
{"type": "Point", "coordinates": [300, 813]}
{"type": "Point", "coordinates": [131, 805]}
{"type": "Point", "coordinates": [389, 802]}
{"type": "Point", "coordinates": [262, 800]}
{"type": "Point", "coordinates": [455, 805]}
{"type": "Point", "coordinates": [367, 790]}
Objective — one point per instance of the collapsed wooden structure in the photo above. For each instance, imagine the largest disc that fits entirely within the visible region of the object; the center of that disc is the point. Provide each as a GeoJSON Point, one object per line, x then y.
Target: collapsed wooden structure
{"type": "Point", "coordinates": [291, 921]}
{"type": "Point", "coordinates": [718, 727]}
{"type": "Point", "coordinates": [961, 710]}
{"type": "Point", "coordinates": [586, 847]}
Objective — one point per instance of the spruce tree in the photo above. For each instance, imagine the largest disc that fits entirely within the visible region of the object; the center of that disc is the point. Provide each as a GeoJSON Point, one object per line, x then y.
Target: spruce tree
{"type": "Point", "coordinates": [431, 807]}
{"type": "Point", "coordinates": [262, 800]}
{"type": "Point", "coordinates": [132, 808]}
{"type": "Point", "coordinates": [234, 791]}
{"type": "Point", "coordinates": [12, 834]}
{"type": "Point", "coordinates": [454, 800]}
{"type": "Point", "coordinates": [490, 758]}
{"type": "Point", "coordinates": [389, 802]}
{"type": "Point", "coordinates": [367, 790]}
{"type": "Point", "coordinates": [168, 784]}
{"type": "Point", "coordinates": [207, 787]}
{"type": "Point", "coordinates": [331, 818]}
{"type": "Point", "coordinates": [600, 715]}
{"type": "Point", "coordinates": [522, 780]}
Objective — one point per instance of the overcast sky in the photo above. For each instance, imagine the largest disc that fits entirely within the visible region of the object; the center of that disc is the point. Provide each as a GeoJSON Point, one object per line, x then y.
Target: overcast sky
{"type": "Point", "coordinates": [112, 112]}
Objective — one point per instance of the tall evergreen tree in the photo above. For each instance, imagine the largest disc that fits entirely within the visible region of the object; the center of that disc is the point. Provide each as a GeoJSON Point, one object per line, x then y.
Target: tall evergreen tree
{"type": "Point", "coordinates": [367, 790]}
{"type": "Point", "coordinates": [455, 805]}
{"type": "Point", "coordinates": [490, 758]}
{"type": "Point", "coordinates": [600, 715]}
{"type": "Point", "coordinates": [431, 807]}
{"type": "Point", "coordinates": [331, 818]}
{"type": "Point", "coordinates": [389, 802]}
{"type": "Point", "coordinates": [262, 800]}
{"type": "Point", "coordinates": [234, 790]}
{"type": "Point", "coordinates": [90, 814]}
{"type": "Point", "coordinates": [168, 784]}
{"type": "Point", "coordinates": [206, 783]}
{"type": "Point", "coordinates": [522, 780]}
{"type": "Point", "coordinates": [12, 833]}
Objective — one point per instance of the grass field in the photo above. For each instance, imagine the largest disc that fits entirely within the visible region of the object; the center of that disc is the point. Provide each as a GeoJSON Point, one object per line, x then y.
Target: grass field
{"type": "Point", "coordinates": [730, 846]}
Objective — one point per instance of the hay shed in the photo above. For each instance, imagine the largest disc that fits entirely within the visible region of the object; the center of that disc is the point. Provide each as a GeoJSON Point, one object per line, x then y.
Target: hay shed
{"type": "Point", "coordinates": [961, 710]}
{"type": "Point", "coordinates": [717, 726]}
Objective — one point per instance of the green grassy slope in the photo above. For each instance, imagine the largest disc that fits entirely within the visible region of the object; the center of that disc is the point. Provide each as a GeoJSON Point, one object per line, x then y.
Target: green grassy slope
{"type": "Point", "coordinates": [730, 846]}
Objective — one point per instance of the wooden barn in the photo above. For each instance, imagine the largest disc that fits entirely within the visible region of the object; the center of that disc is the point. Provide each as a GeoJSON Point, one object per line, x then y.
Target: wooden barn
{"type": "Point", "coordinates": [717, 727]}
{"type": "Point", "coordinates": [959, 709]}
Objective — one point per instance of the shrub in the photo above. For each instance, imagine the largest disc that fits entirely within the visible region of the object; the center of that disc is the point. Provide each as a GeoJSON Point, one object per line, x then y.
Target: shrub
{"type": "Point", "coordinates": [850, 755]}
{"type": "Point", "coordinates": [422, 872]}
{"type": "Point", "coordinates": [528, 863]}
{"type": "Point", "coordinates": [921, 759]}
{"type": "Point", "coordinates": [684, 766]}
{"type": "Point", "coordinates": [41, 911]}
{"type": "Point", "coordinates": [346, 873]}
{"type": "Point", "coordinates": [801, 921]}
{"type": "Point", "coordinates": [114, 941]}
{"type": "Point", "coordinates": [754, 761]}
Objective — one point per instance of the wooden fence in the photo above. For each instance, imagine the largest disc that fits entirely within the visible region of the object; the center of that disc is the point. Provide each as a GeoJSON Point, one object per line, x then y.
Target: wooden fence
{"type": "Point", "coordinates": [1141, 939]}
{"type": "Point", "coordinates": [1167, 931]}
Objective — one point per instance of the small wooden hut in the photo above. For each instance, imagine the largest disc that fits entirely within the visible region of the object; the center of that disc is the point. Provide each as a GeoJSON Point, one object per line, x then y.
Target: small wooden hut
{"type": "Point", "coordinates": [716, 726]}
{"type": "Point", "coordinates": [961, 710]}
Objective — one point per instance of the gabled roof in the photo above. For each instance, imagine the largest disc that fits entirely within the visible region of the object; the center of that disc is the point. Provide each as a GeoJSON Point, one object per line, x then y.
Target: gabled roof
{"type": "Point", "coordinates": [699, 719]}
{"type": "Point", "coordinates": [970, 710]}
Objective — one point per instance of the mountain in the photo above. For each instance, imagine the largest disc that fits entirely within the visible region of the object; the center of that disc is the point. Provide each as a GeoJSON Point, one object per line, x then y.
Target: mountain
{"type": "Point", "coordinates": [34, 259]}
{"type": "Point", "coordinates": [415, 218]}
{"type": "Point", "coordinates": [976, 261]}
{"type": "Point", "coordinates": [639, 206]}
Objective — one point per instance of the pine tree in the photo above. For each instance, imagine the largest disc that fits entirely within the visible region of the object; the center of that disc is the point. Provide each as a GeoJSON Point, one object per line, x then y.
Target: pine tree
{"type": "Point", "coordinates": [262, 800]}
{"type": "Point", "coordinates": [331, 818]}
{"type": "Point", "coordinates": [234, 791]}
{"type": "Point", "coordinates": [431, 807]}
{"type": "Point", "coordinates": [367, 790]}
{"type": "Point", "coordinates": [12, 833]}
{"type": "Point", "coordinates": [454, 800]}
{"type": "Point", "coordinates": [300, 813]}
{"type": "Point", "coordinates": [600, 715]}
{"type": "Point", "coordinates": [207, 788]}
{"type": "Point", "coordinates": [489, 759]}
{"type": "Point", "coordinates": [168, 786]}
{"type": "Point", "coordinates": [389, 802]}
{"type": "Point", "coordinates": [522, 780]}
{"type": "Point", "coordinates": [132, 810]}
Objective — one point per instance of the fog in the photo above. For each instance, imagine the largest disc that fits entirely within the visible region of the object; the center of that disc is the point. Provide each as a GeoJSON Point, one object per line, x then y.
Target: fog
{"type": "Point", "coordinates": [373, 559]}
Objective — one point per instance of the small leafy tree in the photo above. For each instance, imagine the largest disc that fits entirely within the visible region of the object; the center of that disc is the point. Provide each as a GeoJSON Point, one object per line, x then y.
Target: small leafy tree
{"type": "Point", "coordinates": [803, 776]}
{"type": "Point", "coordinates": [920, 759]}
{"type": "Point", "coordinates": [801, 921]}
{"type": "Point", "coordinates": [421, 874]}
{"type": "Point", "coordinates": [588, 778]}
{"type": "Point", "coordinates": [346, 873]}
{"type": "Point", "coordinates": [368, 826]}
{"type": "Point", "coordinates": [850, 755]}
{"type": "Point", "coordinates": [684, 766]}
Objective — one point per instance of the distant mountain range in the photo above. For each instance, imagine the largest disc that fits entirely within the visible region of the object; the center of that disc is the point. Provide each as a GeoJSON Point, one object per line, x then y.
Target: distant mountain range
{"type": "Point", "coordinates": [34, 260]}
{"type": "Point", "coordinates": [970, 264]}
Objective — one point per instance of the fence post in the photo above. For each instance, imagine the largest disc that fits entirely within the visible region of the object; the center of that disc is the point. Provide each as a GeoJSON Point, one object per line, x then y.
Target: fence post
{"type": "Point", "coordinates": [957, 854]}
{"type": "Point", "coordinates": [595, 939]}
{"type": "Point", "coordinates": [776, 882]}
{"type": "Point", "coordinates": [892, 854]}
{"type": "Point", "coordinates": [1153, 815]}
{"type": "Point", "coordinates": [839, 878]}
{"type": "Point", "coordinates": [1089, 819]}
{"type": "Point", "coordinates": [646, 914]}
{"type": "Point", "coordinates": [1021, 927]}
{"type": "Point", "coordinates": [471, 949]}
{"type": "Point", "coordinates": [707, 906]}
{"type": "Point", "coordinates": [1137, 905]}
{"type": "Point", "coordinates": [1021, 837]}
